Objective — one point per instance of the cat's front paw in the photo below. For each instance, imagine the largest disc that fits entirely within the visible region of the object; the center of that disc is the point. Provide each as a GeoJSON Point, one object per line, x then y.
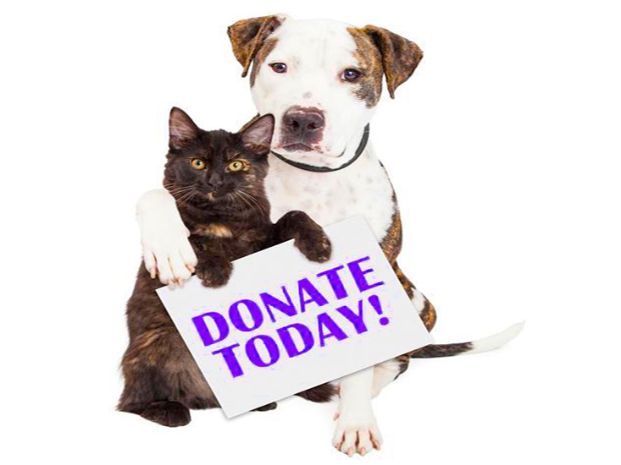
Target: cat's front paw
{"type": "Point", "coordinates": [314, 243]}
{"type": "Point", "coordinates": [214, 273]}
{"type": "Point", "coordinates": [167, 413]}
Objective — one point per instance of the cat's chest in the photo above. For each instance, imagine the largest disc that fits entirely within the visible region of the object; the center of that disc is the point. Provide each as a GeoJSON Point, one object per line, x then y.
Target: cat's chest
{"type": "Point", "coordinates": [213, 230]}
{"type": "Point", "coordinates": [332, 197]}
{"type": "Point", "coordinates": [232, 241]}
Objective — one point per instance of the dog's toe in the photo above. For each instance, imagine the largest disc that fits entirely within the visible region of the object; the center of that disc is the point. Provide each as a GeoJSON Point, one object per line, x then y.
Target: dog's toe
{"type": "Point", "coordinates": [356, 435]}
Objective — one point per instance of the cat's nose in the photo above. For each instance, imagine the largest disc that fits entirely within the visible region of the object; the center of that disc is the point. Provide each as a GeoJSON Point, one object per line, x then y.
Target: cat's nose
{"type": "Point", "coordinates": [214, 186]}
{"type": "Point", "coordinates": [214, 181]}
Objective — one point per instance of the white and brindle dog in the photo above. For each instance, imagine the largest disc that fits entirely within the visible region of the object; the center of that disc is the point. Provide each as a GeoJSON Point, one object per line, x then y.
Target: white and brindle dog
{"type": "Point", "coordinates": [322, 81]}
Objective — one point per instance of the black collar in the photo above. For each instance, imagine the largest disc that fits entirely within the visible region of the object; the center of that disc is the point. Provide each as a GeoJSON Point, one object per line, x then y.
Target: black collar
{"type": "Point", "coordinates": [324, 169]}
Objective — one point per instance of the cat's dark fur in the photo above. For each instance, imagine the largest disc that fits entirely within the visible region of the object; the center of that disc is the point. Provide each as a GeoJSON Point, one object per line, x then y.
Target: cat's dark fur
{"type": "Point", "coordinates": [226, 210]}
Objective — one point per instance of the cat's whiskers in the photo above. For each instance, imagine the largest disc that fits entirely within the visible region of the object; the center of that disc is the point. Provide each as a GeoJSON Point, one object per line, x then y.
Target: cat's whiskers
{"type": "Point", "coordinates": [256, 202]}
{"type": "Point", "coordinates": [253, 200]}
{"type": "Point", "coordinates": [187, 196]}
{"type": "Point", "coordinates": [178, 191]}
{"type": "Point", "coordinates": [240, 196]}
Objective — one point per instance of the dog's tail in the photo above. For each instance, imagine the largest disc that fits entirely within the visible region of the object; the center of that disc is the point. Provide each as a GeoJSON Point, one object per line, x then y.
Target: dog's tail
{"type": "Point", "coordinates": [481, 345]}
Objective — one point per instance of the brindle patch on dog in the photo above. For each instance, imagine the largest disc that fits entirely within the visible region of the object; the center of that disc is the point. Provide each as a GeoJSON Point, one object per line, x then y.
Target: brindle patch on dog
{"type": "Point", "coordinates": [391, 244]}
{"type": "Point", "coordinates": [381, 52]}
{"type": "Point", "coordinates": [400, 56]}
{"type": "Point", "coordinates": [428, 312]}
{"type": "Point", "coordinates": [428, 315]}
{"type": "Point", "coordinates": [248, 35]}
{"type": "Point", "coordinates": [369, 59]}
{"type": "Point", "coordinates": [260, 57]}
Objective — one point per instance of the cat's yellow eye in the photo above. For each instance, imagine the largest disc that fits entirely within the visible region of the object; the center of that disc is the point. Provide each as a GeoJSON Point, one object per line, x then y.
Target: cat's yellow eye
{"type": "Point", "coordinates": [236, 165]}
{"type": "Point", "coordinates": [198, 164]}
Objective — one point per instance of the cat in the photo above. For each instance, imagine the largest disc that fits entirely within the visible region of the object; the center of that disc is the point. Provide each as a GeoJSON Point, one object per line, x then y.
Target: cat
{"type": "Point", "coordinates": [216, 178]}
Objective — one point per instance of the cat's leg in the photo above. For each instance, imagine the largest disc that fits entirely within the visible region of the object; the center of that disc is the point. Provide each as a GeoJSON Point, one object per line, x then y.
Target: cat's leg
{"type": "Point", "coordinates": [307, 235]}
{"type": "Point", "coordinates": [148, 390]}
{"type": "Point", "coordinates": [162, 381]}
{"type": "Point", "coordinates": [166, 250]}
{"type": "Point", "coordinates": [356, 428]}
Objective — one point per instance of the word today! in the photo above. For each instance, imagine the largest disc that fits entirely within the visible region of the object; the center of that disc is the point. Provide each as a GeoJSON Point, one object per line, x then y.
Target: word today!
{"type": "Point", "coordinates": [284, 324]}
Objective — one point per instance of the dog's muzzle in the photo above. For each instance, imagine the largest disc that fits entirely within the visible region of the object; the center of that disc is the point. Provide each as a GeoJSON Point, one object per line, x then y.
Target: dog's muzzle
{"type": "Point", "coordinates": [302, 127]}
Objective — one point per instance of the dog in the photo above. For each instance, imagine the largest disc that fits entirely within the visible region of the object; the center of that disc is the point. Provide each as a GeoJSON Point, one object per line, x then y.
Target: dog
{"type": "Point", "coordinates": [322, 80]}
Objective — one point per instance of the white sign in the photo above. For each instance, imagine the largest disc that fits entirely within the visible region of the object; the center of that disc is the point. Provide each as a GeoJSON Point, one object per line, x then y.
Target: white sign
{"type": "Point", "coordinates": [284, 324]}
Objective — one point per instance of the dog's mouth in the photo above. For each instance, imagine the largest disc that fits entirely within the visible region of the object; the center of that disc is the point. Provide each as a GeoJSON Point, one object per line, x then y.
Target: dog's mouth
{"type": "Point", "coordinates": [297, 147]}
{"type": "Point", "coordinates": [305, 151]}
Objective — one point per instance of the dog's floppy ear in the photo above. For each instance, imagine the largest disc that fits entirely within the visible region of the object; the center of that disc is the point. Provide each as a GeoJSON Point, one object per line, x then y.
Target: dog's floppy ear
{"type": "Point", "coordinates": [400, 57]}
{"type": "Point", "coordinates": [247, 36]}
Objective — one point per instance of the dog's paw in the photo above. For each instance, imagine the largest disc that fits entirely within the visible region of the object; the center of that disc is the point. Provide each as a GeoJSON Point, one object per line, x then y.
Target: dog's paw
{"type": "Point", "coordinates": [314, 244]}
{"type": "Point", "coordinates": [214, 273]}
{"type": "Point", "coordinates": [166, 250]}
{"type": "Point", "coordinates": [356, 433]}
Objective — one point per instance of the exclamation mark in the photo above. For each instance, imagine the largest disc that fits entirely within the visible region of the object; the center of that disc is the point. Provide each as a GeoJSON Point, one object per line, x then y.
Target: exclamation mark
{"type": "Point", "coordinates": [377, 306]}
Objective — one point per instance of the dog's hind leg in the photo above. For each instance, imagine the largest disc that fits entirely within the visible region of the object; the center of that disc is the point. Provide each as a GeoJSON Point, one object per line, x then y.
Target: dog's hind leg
{"type": "Point", "coordinates": [422, 305]}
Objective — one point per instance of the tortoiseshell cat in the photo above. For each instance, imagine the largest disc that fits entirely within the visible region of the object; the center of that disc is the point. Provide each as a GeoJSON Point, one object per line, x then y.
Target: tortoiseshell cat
{"type": "Point", "coordinates": [216, 178]}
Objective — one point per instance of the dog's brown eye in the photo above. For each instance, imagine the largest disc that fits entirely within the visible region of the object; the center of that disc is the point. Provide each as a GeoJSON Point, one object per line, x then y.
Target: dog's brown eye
{"type": "Point", "coordinates": [198, 164]}
{"type": "Point", "coordinates": [278, 67]}
{"type": "Point", "coordinates": [351, 75]}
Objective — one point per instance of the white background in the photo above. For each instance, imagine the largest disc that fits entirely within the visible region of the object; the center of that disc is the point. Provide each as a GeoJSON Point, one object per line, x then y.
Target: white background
{"type": "Point", "coordinates": [504, 151]}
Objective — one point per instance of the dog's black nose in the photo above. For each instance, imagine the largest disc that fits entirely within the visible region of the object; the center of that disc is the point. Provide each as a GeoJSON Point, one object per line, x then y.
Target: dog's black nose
{"type": "Point", "coordinates": [304, 119]}
{"type": "Point", "coordinates": [303, 125]}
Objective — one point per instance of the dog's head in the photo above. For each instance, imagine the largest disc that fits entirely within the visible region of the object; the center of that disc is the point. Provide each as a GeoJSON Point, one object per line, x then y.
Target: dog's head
{"type": "Point", "coordinates": [320, 79]}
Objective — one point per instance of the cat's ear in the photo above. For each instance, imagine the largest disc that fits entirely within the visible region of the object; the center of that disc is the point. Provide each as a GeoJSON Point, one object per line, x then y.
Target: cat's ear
{"type": "Point", "coordinates": [256, 135]}
{"type": "Point", "coordinates": [181, 129]}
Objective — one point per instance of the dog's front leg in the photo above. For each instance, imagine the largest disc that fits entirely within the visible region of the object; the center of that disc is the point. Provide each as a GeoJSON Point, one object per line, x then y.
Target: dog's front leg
{"type": "Point", "coordinates": [356, 428]}
{"type": "Point", "coordinates": [166, 249]}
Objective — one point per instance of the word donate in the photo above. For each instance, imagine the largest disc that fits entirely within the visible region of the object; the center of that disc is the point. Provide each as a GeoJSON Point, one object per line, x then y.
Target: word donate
{"type": "Point", "coordinates": [284, 306]}
{"type": "Point", "coordinates": [284, 324]}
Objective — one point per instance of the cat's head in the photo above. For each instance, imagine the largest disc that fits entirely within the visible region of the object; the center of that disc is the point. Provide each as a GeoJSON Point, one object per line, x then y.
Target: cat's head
{"type": "Point", "coordinates": [216, 167]}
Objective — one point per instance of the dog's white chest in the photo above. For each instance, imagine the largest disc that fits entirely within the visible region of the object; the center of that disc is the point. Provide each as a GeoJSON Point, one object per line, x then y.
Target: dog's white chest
{"type": "Point", "coordinates": [361, 189]}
